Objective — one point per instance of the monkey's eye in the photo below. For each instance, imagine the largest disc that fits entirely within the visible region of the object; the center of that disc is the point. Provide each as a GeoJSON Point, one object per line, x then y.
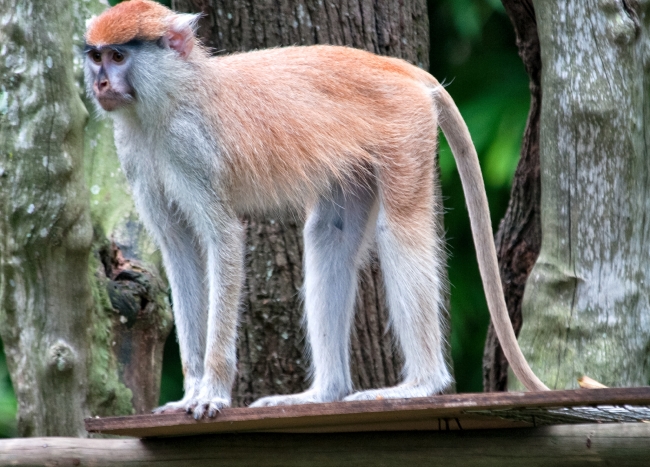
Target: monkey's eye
{"type": "Point", "coordinates": [95, 56]}
{"type": "Point", "coordinates": [118, 57]}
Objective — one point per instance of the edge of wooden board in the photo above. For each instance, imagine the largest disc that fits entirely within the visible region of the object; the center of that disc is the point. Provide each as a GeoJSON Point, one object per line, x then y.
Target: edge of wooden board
{"type": "Point", "coordinates": [385, 414]}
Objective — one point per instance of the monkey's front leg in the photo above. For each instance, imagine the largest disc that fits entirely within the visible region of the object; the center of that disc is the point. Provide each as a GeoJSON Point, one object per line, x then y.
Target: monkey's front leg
{"type": "Point", "coordinates": [224, 245]}
{"type": "Point", "coordinates": [185, 268]}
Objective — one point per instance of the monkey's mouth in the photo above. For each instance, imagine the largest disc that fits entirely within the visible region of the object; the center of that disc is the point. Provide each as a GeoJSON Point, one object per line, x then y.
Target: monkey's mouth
{"type": "Point", "coordinates": [112, 100]}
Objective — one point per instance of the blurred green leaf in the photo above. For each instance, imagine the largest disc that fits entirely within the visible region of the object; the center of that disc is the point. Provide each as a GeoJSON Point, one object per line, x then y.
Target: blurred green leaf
{"type": "Point", "coordinates": [8, 405]}
{"type": "Point", "coordinates": [496, 5]}
{"type": "Point", "coordinates": [502, 156]}
{"type": "Point", "coordinates": [487, 80]}
{"type": "Point", "coordinates": [467, 17]}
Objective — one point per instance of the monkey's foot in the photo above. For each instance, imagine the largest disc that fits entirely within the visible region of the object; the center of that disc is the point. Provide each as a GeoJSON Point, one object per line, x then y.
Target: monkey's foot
{"type": "Point", "coordinates": [401, 391]}
{"type": "Point", "coordinates": [308, 397]}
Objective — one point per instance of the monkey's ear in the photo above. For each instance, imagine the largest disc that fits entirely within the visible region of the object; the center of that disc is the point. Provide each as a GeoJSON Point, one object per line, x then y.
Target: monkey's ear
{"type": "Point", "coordinates": [180, 35]}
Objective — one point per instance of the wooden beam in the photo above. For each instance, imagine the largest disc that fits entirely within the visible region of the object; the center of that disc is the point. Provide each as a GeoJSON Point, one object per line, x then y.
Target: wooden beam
{"type": "Point", "coordinates": [597, 444]}
{"type": "Point", "coordinates": [450, 411]}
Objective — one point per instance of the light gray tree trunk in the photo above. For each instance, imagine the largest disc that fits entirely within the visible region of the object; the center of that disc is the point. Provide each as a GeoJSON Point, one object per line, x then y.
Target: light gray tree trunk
{"type": "Point", "coordinates": [45, 229]}
{"type": "Point", "coordinates": [83, 334]}
{"type": "Point", "coordinates": [587, 302]}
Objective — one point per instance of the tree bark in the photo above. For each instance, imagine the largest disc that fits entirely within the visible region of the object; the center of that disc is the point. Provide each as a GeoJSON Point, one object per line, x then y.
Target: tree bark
{"type": "Point", "coordinates": [586, 303]}
{"type": "Point", "coordinates": [518, 239]}
{"type": "Point", "coordinates": [83, 334]}
{"type": "Point", "coordinates": [271, 339]}
{"type": "Point", "coordinates": [45, 229]}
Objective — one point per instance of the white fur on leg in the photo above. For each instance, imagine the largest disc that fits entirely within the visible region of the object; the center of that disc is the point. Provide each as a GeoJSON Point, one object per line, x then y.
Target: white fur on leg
{"type": "Point", "coordinates": [412, 277]}
{"type": "Point", "coordinates": [336, 237]}
{"type": "Point", "coordinates": [224, 251]}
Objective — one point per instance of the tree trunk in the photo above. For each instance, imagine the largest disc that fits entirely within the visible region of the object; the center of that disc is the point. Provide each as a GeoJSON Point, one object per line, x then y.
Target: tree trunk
{"type": "Point", "coordinates": [586, 305]}
{"type": "Point", "coordinates": [271, 339]}
{"type": "Point", "coordinates": [45, 229]}
{"type": "Point", "coordinates": [82, 333]}
{"type": "Point", "coordinates": [518, 239]}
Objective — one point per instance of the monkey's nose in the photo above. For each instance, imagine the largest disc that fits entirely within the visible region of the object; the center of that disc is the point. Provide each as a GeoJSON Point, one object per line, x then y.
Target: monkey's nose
{"type": "Point", "coordinates": [102, 85]}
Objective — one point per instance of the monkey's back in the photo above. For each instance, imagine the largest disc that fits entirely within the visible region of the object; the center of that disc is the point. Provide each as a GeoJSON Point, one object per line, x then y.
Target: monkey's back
{"type": "Point", "coordinates": [314, 115]}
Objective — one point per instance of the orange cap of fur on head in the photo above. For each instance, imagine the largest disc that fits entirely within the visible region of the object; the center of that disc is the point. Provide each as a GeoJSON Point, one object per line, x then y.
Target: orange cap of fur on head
{"type": "Point", "coordinates": [134, 19]}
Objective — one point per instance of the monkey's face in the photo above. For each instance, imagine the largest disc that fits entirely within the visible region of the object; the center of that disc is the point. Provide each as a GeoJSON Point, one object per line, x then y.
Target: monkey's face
{"type": "Point", "coordinates": [107, 72]}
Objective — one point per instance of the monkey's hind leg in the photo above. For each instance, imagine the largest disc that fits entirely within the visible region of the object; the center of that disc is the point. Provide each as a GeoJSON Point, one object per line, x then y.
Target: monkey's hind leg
{"type": "Point", "coordinates": [336, 237]}
{"type": "Point", "coordinates": [411, 258]}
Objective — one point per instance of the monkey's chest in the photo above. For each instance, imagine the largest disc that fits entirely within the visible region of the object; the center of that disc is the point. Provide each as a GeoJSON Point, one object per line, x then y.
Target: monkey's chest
{"type": "Point", "coordinates": [177, 155]}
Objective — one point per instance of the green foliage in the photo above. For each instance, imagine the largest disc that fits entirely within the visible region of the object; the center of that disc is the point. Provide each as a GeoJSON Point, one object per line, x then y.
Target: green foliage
{"type": "Point", "coordinates": [8, 403]}
{"type": "Point", "coordinates": [171, 384]}
{"type": "Point", "coordinates": [473, 51]}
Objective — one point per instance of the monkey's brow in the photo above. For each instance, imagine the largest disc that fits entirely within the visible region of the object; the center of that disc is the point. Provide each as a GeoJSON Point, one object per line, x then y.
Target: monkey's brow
{"type": "Point", "coordinates": [116, 47]}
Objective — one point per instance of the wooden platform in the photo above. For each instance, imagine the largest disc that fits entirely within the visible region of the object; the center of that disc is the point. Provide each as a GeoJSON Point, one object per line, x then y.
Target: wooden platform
{"type": "Point", "coordinates": [445, 412]}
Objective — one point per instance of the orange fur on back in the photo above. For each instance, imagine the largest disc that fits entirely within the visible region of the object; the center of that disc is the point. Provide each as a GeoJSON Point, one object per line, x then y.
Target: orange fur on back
{"type": "Point", "coordinates": [291, 121]}
{"type": "Point", "coordinates": [134, 19]}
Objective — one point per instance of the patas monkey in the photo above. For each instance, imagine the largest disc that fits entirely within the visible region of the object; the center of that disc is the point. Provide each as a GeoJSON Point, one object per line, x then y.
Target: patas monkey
{"type": "Point", "coordinates": [346, 134]}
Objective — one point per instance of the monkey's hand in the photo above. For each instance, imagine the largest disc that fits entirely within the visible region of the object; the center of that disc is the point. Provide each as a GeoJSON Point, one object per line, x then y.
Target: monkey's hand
{"type": "Point", "coordinates": [191, 392]}
{"type": "Point", "coordinates": [185, 404]}
{"type": "Point", "coordinates": [208, 406]}
{"type": "Point", "coordinates": [199, 400]}
{"type": "Point", "coordinates": [197, 406]}
{"type": "Point", "coordinates": [210, 400]}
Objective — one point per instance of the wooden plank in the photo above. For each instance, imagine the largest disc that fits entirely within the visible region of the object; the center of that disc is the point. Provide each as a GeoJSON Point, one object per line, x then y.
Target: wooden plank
{"type": "Point", "coordinates": [565, 445]}
{"type": "Point", "coordinates": [379, 415]}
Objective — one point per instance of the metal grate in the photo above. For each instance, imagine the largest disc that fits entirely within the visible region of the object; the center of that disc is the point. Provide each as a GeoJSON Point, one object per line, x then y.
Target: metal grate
{"type": "Point", "coordinates": [559, 415]}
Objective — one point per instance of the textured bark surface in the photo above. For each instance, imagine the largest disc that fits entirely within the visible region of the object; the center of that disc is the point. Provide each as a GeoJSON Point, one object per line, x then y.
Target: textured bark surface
{"type": "Point", "coordinates": [519, 237]}
{"type": "Point", "coordinates": [83, 334]}
{"type": "Point", "coordinates": [45, 229]}
{"type": "Point", "coordinates": [587, 302]}
{"type": "Point", "coordinates": [140, 321]}
{"type": "Point", "coordinates": [271, 340]}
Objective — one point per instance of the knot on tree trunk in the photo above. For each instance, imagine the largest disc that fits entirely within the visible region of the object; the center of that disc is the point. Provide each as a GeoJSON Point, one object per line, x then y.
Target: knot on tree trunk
{"type": "Point", "coordinates": [140, 321]}
{"type": "Point", "coordinates": [61, 357]}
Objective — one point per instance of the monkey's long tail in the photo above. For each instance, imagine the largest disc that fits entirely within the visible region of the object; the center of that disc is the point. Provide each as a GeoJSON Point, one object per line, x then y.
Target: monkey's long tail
{"type": "Point", "coordinates": [459, 139]}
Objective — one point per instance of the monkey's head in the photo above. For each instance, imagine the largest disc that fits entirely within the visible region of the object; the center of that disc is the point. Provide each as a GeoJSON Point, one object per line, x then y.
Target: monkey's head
{"type": "Point", "coordinates": [127, 47]}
